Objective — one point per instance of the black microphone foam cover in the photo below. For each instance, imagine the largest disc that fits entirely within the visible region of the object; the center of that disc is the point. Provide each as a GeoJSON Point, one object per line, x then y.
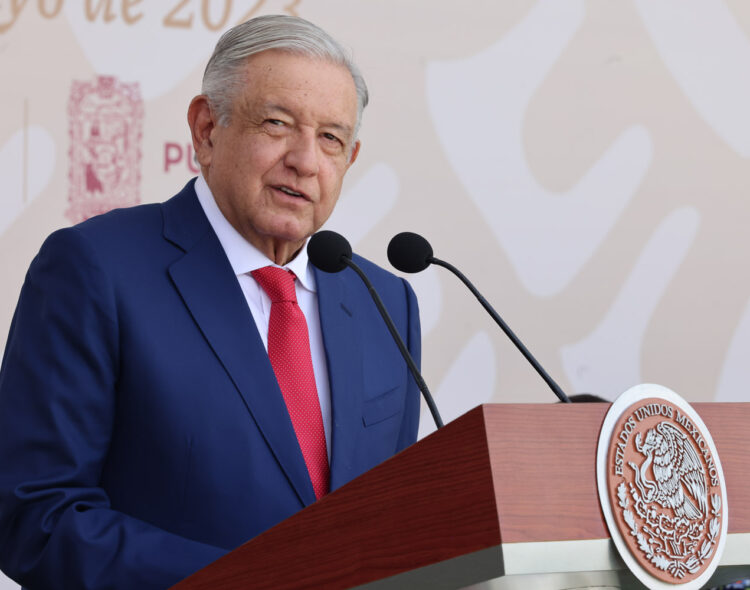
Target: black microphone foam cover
{"type": "Point", "coordinates": [409, 252]}
{"type": "Point", "coordinates": [326, 250]}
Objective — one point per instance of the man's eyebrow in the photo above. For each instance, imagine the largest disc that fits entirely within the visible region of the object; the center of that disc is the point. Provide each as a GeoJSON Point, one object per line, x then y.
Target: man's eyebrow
{"type": "Point", "coordinates": [343, 129]}
{"type": "Point", "coordinates": [340, 127]}
{"type": "Point", "coordinates": [267, 108]}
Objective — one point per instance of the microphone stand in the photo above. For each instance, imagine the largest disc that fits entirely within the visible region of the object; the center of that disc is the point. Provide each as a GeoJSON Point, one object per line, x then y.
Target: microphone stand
{"type": "Point", "coordinates": [495, 316]}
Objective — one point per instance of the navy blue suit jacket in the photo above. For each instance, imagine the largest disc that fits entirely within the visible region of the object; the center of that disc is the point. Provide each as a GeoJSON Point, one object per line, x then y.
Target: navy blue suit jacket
{"type": "Point", "coordinates": [142, 430]}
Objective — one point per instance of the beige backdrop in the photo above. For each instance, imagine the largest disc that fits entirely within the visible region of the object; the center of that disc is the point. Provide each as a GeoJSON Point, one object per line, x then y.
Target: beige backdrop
{"type": "Point", "coordinates": [585, 163]}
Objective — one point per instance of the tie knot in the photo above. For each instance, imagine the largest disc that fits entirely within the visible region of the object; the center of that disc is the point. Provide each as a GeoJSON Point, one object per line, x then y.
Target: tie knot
{"type": "Point", "coordinates": [278, 283]}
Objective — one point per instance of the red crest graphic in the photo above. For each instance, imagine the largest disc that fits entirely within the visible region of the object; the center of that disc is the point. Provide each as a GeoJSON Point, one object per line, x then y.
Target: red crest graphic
{"type": "Point", "coordinates": [105, 121]}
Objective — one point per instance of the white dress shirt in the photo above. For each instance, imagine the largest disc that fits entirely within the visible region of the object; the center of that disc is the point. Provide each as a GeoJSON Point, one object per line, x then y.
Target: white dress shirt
{"type": "Point", "coordinates": [245, 258]}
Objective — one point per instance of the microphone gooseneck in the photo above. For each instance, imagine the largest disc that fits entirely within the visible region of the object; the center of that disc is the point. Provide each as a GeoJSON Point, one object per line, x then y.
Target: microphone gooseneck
{"type": "Point", "coordinates": [410, 252]}
{"type": "Point", "coordinates": [331, 252]}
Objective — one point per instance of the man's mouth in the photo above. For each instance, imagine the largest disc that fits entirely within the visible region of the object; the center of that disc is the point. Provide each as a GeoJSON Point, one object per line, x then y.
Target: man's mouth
{"type": "Point", "coordinates": [287, 191]}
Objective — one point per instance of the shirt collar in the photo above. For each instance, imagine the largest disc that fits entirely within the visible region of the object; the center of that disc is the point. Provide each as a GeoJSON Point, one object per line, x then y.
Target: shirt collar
{"type": "Point", "coordinates": [243, 256]}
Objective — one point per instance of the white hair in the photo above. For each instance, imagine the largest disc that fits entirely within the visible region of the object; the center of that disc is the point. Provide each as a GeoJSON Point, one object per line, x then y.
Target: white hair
{"type": "Point", "coordinates": [222, 79]}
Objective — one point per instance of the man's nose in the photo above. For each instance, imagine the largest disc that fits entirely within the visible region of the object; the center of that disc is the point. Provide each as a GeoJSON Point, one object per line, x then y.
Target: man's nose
{"type": "Point", "coordinates": [302, 154]}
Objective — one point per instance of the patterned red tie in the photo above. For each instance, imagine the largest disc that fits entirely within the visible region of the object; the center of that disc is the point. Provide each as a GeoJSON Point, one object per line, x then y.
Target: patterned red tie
{"type": "Point", "coordinates": [289, 351]}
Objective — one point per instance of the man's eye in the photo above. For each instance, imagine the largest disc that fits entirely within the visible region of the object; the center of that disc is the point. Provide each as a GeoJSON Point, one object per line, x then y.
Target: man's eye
{"type": "Point", "coordinates": [331, 137]}
{"type": "Point", "coordinates": [274, 122]}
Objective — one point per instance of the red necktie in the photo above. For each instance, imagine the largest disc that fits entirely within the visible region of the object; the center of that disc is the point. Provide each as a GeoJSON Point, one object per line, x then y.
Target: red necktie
{"type": "Point", "coordinates": [289, 351]}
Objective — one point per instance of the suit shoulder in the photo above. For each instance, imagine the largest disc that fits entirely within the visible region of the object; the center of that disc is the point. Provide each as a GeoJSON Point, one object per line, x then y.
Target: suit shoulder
{"type": "Point", "coordinates": [107, 238]}
{"type": "Point", "coordinates": [139, 222]}
{"type": "Point", "coordinates": [134, 232]}
{"type": "Point", "coordinates": [126, 222]}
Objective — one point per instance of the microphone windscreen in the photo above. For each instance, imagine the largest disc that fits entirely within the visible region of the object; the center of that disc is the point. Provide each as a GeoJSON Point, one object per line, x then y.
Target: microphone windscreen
{"type": "Point", "coordinates": [326, 250]}
{"type": "Point", "coordinates": [409, 252]}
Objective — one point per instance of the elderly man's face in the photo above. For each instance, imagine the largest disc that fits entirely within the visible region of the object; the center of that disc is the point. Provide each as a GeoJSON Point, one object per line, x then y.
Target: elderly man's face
{"type": "Point", "coordinates": [276, 169]}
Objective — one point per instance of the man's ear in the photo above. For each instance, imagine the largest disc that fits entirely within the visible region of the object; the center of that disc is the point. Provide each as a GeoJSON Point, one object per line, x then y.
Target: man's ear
{"type": "Point", "coordinates": [201, 119]}
{"type": "Point", "coordinates": [355, 152]}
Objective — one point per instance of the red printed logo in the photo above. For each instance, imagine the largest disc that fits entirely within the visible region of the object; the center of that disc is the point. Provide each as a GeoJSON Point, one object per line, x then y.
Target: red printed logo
{"type": "Point", "coordinates": [105, 122]}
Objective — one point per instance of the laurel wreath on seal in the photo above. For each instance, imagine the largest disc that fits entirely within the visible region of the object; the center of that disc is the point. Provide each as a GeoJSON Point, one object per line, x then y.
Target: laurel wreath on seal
{"type": "Point", "coordinates": [653, 547]}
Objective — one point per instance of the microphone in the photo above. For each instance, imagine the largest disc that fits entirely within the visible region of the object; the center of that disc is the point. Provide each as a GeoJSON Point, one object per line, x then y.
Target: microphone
{"type": "Point", "coordinates": [332, 253]}
{"type": "Point", "coordinates": [327, 250]}
{"type": "Point", "coordinates": [410, 252]}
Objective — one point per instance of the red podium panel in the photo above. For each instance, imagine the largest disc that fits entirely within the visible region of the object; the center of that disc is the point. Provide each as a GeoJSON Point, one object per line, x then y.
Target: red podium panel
{"type": "Point", "coordinates": [498, 492]}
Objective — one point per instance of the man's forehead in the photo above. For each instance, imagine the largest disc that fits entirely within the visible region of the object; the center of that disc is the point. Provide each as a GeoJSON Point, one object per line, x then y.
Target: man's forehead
{"type": "Point", "coordinates": [275, 81]}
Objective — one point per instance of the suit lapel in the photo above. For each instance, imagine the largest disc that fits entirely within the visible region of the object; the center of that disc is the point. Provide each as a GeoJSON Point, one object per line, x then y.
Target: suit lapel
{"type": "Point", "coordinates": [209, 288]}
{"type": "Point", "coordinates": [342, 342]}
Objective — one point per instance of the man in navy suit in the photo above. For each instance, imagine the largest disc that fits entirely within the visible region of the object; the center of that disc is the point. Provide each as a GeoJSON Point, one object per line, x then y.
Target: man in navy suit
{"type": "Point", "coordinates": [143, 431]}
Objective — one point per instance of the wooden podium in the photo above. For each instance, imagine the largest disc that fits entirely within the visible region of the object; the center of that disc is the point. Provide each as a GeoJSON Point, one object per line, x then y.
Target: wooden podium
{"type": "Point", "coordinates": [505, 493]}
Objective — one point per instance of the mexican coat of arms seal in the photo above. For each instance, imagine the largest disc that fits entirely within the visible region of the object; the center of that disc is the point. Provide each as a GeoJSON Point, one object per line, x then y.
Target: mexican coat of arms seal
{"type": "Point", "coordinates": [662, 489]}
